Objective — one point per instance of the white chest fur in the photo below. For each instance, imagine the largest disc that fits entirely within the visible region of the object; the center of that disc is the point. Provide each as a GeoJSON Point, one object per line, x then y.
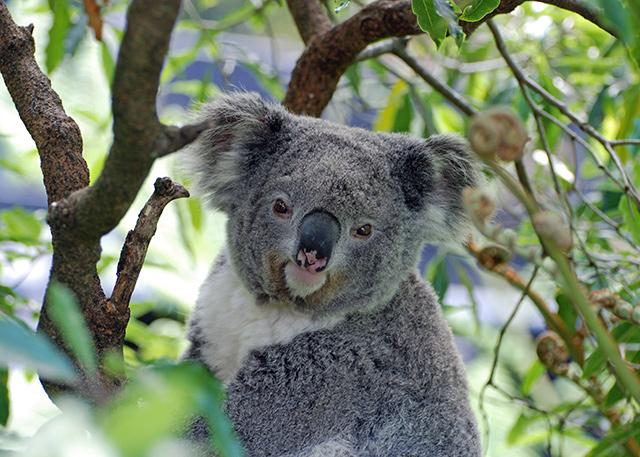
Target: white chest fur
{"type": "Point", "coordinates": [231, 324]}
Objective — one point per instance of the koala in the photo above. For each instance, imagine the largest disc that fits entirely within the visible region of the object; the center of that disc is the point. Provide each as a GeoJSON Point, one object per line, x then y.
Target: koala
{"type": "Point", "coordinates": [314, 314]}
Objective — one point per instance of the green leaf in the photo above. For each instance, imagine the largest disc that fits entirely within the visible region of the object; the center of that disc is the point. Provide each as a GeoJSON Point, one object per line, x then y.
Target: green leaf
{"type": "Point", "coordinates": [479, 9]}
{"type": "Point", "coordinates": [386, 119]}
{"type": "Point", "coordinates": [619, 18]}
{"type": "Point", "coordinates": [594, 364]}
{"type": "Point", "coordinates": [445, 10]}
{"type": "Point", "coordinates": [631, 218]}
{"type": "Point", "coordinates": [532, 375]}
{"type": "Point", "coordinates": [61, 22]}
{"type": "Point", "coordinates": [438, 275]}
{"type": "Point", "coordinates": [614, 395]}
{"type": "Point", "coordinates": [162, 398]}
{"type": "Point", "coordinates": [612, 446]}
{"type": "Point", "coordinates": [4, 396]}
{"type": "Point", "coordinates": [404, 115]}
{"type": "Point", "coordinates": [624, 332]}
{"type": "Point", "coordinates": [66, 314]}
{"type": "Point", "coordinates": [566, 311]}
{"type": "Point", "coordinates": [430, 21]}
{"type": "Point", "coordinates": [18, 345]}
{"type": "Point", "coordinates": [521, 428]}
{"type": "Point", "coordinates": [16, 224]}
{"type": "Point", "coordinates": [108, 64]}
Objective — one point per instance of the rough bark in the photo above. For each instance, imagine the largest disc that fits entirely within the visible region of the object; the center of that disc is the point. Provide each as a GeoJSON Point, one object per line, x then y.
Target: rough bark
{"type": "Point", "coordinates": [56, 135]}
{"type": "Point", "coordinates": [329, 52]}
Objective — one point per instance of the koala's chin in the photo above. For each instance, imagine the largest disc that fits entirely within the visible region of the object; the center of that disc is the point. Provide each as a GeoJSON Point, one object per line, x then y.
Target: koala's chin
{"type": "Point", "coordinates": [302, 282]}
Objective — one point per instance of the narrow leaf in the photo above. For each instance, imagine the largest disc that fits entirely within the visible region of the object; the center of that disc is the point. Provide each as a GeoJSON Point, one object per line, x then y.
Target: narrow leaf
{"type": "Point", "coordinates": [18, 345]}
{"type": "Point", "coordinates": [386, 118]}
{"type": "Point", "coordinates": [531, 377]}
{"type": "Point", "coordinates": [445, 10]}
{"type": "Point", "coordinates": [4, 396]}
{"type": "Point", "coordinates": [631, 218]}
{"type": "Point", "coordinates": [614, 396]}
{"type": "Point", "coordinates": [69, 319]}
{"type": "Point", "coordinates": [521, 428]}
{"type": "Point", "coordinates": [57, 34]}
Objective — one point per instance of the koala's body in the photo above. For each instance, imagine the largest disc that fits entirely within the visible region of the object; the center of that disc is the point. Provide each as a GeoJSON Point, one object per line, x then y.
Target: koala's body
{"type": "Point", "coordinates": [314, 315]}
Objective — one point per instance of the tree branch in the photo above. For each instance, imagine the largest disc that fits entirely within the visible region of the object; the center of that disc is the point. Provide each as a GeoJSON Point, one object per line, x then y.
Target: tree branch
{"type": "Point", "coordinates": [137, 130]}
{"type": "Point", "coordinates": [135, 247]}
{"type": "Point", "coordinates": [80, 215]}
{"type": "Point", "coordinates": [309, 18]}
{"type": "Point", "coordinates": [330, 51]}
{"type": "Point", "coordinates": [56, 135]}
{"type": "Point", "coordinates": [454, 97]}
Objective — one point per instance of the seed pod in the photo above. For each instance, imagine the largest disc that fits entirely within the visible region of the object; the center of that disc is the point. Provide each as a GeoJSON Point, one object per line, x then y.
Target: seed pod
{"type": "Point", "coordinates": [478, 204]}
{"type": "Point", "coordinates": [623, 310]}
{"type": "Point", "coordinates": [552, 350]}
{"type": "Point", "coordinates": [484, 136]}
{"type": "Point", "coordinates": [550, 226]}
{"type": "Point", "coordinates": [492, 255]}
{"type": "Point", "coordinates": [603, 298]}
{"type": "Point", "coordinates": [497, 131]}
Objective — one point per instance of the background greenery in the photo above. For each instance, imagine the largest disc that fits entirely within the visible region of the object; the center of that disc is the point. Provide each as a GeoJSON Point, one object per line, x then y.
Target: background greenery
{"type": "Point", "coordinates": [525, 407]}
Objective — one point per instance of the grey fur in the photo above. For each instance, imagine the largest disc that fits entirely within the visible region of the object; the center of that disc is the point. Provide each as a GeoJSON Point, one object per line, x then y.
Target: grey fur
{"type": "Point", "coordinates": [373, 370]}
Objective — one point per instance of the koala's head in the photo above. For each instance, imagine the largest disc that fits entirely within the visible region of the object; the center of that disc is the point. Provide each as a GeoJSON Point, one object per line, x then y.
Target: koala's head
{"type": "Point", "coordinates": [323, 217]}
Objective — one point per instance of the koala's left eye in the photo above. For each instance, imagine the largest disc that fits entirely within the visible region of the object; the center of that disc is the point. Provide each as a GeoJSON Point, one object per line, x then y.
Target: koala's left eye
{"type": "Point", "coordinates": [281, 209]}
{"type": "Point", "coordinates": [364, 231]}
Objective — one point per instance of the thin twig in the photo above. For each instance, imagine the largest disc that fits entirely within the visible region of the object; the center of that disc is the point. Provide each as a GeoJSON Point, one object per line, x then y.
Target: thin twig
{"type": "Point", "coordinates": [496, 351]}
{"type": "Point", "coordinates": [454, 97]}
{"type": "Point", "coordinates": [613, 224]}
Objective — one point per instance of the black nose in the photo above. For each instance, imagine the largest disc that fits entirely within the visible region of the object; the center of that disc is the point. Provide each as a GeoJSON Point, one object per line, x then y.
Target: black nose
{"type": "Point", "coordinates": [319, 232]}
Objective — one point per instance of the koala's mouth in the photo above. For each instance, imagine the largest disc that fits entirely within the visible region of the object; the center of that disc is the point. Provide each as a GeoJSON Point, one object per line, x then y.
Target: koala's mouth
{"type": "Point", "coordinates": [305, 289]}
{"type": "Point", "coordinates": [302, 282]}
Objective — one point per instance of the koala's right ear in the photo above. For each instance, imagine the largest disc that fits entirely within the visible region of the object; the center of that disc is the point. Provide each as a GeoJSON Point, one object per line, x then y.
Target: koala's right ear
{"type": "Point", "coordinates": [245, 132]}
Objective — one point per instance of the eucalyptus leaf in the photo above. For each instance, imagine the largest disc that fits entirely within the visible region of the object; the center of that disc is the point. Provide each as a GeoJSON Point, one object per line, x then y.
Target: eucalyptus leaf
{"type": "Point", "coordinates": [67, 316]}
{"type": "Point", "coordinates": [4, 396]}
{"type": "Point", "coordinates": [430, 21]}
{"type": "Point", "coordinates": [165, 398]}
{"type": "Point", "coordinates": [57, 33]}
{"type": "Point", "coordinates": [18, 345]}
{"type": "Point", "coordinates": [446, 11]}
{"type": "Point", "coordinates": [631, 218]}
{"type": "Point", "coordinates": [478, 9]}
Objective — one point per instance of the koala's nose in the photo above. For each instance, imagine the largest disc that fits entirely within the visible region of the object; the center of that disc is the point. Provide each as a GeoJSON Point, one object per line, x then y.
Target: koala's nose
{"type": "Point", "coordinates": [319, 232]}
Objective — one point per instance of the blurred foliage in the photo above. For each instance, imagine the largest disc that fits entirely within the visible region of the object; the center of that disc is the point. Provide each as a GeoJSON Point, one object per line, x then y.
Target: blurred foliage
{"type": "Point", "coordinates": [526, 407]}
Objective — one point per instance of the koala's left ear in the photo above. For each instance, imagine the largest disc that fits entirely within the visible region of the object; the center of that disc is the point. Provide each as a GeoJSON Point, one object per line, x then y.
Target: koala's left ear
{"type": "Point", "coordinates": [432, 175]}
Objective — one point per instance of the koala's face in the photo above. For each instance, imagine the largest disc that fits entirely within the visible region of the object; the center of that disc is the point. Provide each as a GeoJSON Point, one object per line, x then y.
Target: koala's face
{"type": "Point", "coordinates": [323, 217]}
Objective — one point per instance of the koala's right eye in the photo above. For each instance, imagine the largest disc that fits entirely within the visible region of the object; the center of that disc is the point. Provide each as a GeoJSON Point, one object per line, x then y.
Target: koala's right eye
{"type": "Point", "coordinates": [281, 209]}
